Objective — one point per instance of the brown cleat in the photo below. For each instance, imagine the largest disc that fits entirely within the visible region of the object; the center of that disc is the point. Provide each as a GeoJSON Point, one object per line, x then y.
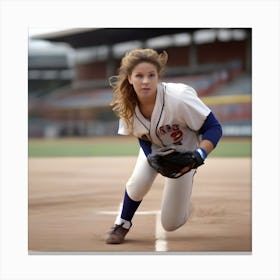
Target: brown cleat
{"type": "Point", "coordinates": [116, 235]}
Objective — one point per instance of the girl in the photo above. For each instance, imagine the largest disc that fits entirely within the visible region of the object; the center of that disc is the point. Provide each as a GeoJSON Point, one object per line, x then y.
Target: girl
{"type": "Point", "coordinates": [158, 114]}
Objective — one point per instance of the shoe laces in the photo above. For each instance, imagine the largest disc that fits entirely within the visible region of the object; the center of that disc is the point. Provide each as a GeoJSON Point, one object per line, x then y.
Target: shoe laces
{"type": "Point", "coordinates": [116, 227]}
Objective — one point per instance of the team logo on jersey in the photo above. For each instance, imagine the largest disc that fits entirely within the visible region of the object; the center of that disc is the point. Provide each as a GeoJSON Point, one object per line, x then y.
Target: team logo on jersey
{"type": "Point", "coordinates": [171, 133]}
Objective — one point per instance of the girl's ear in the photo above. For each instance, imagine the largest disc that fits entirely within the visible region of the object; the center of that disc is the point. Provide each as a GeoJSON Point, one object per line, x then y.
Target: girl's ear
{"type": "Point", "coordinates": [129, 79]}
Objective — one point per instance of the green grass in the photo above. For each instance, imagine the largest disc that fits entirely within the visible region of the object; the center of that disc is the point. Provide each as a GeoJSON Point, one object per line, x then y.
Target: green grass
{"type": "Point", "coordinates": [233, 148]}
{"type": "Point", "coordinates": [61, 149]}
{"type": "Point", "coordinates": [116, 147]}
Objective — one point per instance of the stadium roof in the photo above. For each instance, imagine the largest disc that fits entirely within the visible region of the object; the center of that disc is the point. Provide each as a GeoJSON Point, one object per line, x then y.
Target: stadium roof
{"type": "Point", "coordinates": [84, 37]}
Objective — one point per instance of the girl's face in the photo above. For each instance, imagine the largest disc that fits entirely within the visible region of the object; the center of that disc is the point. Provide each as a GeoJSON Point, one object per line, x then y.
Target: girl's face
{"type": "Point", "coordinates": [144, 79]}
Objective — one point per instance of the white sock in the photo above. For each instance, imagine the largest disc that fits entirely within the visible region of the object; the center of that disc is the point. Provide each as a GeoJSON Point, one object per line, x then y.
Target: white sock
{"type": "Point", "coordinates": [126, 224]}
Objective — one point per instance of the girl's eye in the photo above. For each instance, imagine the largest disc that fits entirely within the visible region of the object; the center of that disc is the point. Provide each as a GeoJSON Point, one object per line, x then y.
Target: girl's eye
{"type": "Point", "coordinates": [140, 76]}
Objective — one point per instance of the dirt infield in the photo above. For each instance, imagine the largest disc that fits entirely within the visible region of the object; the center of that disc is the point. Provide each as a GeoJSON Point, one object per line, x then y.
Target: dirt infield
{"type": "Point", "coordinates": [73, 202]}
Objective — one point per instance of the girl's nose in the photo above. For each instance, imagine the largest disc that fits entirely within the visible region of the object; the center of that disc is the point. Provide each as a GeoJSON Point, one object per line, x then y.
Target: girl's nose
{"type": "Point", "coordinates": [145, 80]}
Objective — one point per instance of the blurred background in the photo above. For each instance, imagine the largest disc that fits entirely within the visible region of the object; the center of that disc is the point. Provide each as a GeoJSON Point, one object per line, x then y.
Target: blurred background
{"type": "Point", "coordinates": [68, 71]}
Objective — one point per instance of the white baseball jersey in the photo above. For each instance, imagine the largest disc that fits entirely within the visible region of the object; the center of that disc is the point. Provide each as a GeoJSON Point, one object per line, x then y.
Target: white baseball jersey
{"type": "Point", "coordinates": [177, 116]}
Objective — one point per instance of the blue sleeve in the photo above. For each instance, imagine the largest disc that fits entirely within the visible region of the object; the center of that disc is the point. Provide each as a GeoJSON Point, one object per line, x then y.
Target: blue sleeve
{"type": "Point", "coordinates": [211, 129]}
{"type": "Point", "coordinates": [146, 146]}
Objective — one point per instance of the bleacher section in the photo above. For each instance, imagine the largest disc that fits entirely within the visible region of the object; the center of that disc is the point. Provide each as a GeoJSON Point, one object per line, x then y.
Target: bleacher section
{"type": "Point", "coordinates": [233, 108]}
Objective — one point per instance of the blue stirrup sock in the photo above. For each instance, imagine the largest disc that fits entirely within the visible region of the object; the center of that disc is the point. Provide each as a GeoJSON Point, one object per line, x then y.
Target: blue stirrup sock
{"type": "Point", "coordinates": [129, 208]}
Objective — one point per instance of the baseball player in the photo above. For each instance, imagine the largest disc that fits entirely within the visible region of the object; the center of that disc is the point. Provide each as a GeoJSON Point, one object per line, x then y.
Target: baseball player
{"type": "Point", "coordinates": [159, 114]}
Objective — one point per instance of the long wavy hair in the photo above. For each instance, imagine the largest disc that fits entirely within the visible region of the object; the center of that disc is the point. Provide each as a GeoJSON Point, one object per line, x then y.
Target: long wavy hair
{"type": "Point", "coordinates": [124, 97]}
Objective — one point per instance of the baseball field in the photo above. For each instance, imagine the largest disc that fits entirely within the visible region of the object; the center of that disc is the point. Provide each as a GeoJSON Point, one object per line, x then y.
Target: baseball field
{"type": "Point", "coordinates": [75, 189]}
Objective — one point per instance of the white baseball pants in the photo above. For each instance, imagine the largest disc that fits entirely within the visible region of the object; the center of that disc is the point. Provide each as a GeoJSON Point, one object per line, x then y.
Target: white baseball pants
{"type": "Point", "coordinates": [175, 207]}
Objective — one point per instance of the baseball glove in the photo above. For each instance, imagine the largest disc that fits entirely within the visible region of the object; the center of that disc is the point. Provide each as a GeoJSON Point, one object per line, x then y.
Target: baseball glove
{"type": "Point", "coordinates": [174, 161]}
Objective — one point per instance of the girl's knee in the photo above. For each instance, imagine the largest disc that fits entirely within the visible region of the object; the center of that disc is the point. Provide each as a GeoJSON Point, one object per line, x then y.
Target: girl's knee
{"type": "Point", "coordinates": [171, 225]}
{"type": "Point", "coordinates": [136, 191]}
{"type": "Point", "coordinates": [172, 221]}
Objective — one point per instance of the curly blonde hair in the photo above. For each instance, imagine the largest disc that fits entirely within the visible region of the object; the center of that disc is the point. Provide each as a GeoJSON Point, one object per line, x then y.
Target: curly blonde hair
{"type": "Point", "coordinates": [124, 97]}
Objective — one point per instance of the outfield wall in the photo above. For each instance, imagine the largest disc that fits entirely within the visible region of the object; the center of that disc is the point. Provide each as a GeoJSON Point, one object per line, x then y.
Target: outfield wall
{"type": "Point", "coordinates": [234, 112]}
